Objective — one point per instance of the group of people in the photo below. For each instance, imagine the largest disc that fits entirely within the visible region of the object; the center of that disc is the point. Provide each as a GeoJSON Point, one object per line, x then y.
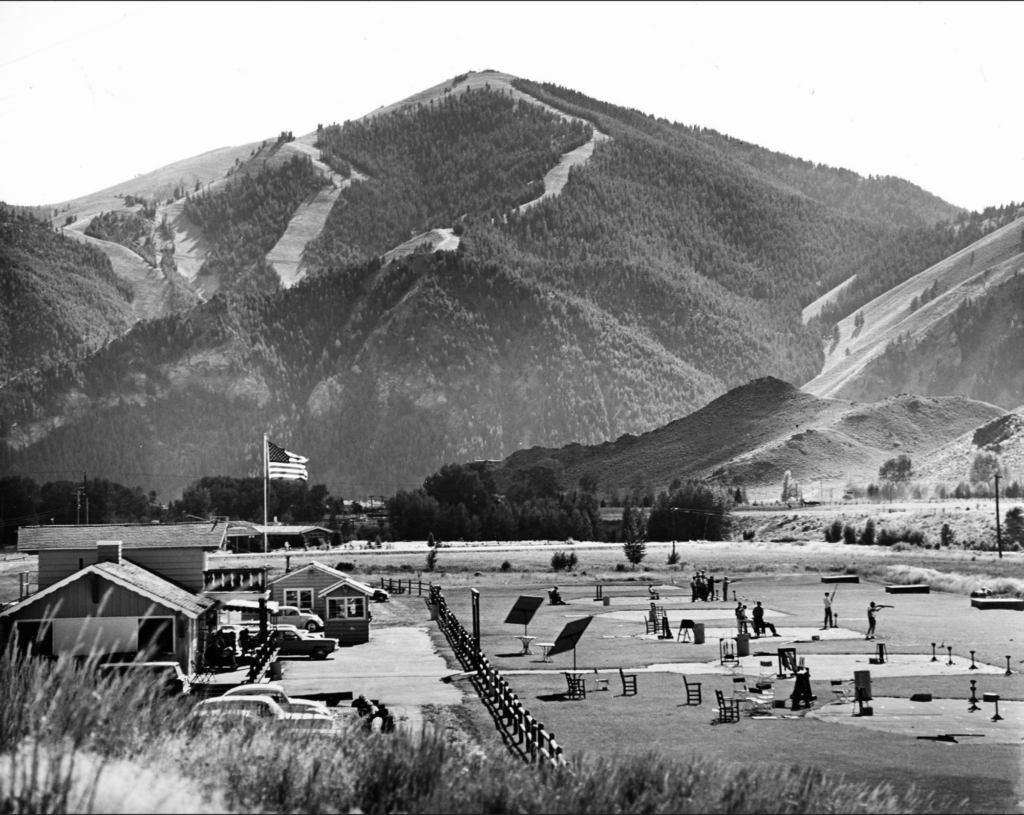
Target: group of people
{"type": "Point", "coordinates": [759, 624]}
{"type": "Point", "coordinates": [702, 587]}
{"type": "Point", "coordinates": [378, 718]}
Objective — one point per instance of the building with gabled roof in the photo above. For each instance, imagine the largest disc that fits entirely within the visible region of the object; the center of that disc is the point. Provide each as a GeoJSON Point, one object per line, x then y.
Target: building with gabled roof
{"type": "Point", "coordinates": [111, 606]}
{"type": "Point", "coordinates": [342, 603]}
{"type": "Point", "coordinates": [127, 588]}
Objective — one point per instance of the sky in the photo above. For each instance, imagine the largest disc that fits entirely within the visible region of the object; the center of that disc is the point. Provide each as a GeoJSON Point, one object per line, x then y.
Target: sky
{"type": "Point", "coordinates": [93, 94]}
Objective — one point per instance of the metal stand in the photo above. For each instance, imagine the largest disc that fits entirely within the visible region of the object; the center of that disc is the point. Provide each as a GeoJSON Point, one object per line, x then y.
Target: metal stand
{"type": "Point", "coordinates": [973, 667]}
{"type": "Point", "coordinates": [1008, 671]}
{"type": "Point", "coordinates": [950, 649]}
{"type": "Point", "coordinates": [993, 697]}
{"type": "Point", "coordinates": [974, 698]}
{"type": "Point", "coordinates": [934, 658]}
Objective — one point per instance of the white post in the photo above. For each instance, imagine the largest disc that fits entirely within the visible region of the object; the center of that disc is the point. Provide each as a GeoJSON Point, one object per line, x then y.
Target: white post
{"type": "Point", "coordinates": [266, 482]}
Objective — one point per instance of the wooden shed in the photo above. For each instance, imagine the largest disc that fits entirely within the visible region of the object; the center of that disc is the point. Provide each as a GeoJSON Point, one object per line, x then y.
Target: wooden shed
{"type": "Point", "coordinates": [343, 603]}
{"type": "Point", "coordinates": [110, 607]}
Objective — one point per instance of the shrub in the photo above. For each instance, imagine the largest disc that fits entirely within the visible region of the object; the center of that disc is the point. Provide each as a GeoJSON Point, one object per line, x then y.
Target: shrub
{"type": "Point", "coordinates": [432, 559]}
{"type": "Point", "coordinates": [749, 534]}
{"type": "Point", "coordinates": [834, 532]}
{"type": "Point", "coordinates": [620, 567]}
{"type": "Point", "coordinates": [673, 556]}
{"type": "Point", "coordinates": [563, 561]}
{"type": "Point", "coordinates": [345, 566]}
{"type": "Point", "coordinates": [849, 534]}
{"type": "Point", "coordinates": [867, 536]}
{"type": "Point", "coordinates": [886, 537]}
{"type": "Point", "coordinates": [506, 566]}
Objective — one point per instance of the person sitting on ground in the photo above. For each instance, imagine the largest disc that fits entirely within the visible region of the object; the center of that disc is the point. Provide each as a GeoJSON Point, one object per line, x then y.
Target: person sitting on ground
{"type": "Point", "coordinates": [555, 597]}
{"type": "Point", "coordinates": [760, 624]}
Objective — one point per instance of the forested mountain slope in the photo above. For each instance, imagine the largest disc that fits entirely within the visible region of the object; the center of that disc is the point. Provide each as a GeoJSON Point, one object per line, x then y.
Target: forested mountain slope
{"type": "Point", "coordinates": [58, 298]}
{"type": "Point", "coordinates": [667, 271]}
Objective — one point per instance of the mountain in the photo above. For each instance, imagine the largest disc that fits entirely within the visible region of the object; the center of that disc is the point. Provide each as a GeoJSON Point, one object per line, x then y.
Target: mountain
{"type": "Point", "coordinates": [1003, 437]}
{"type": "Point", "coordinates": [490, 265]}
{"type": "Point", "coordinates": [753, 434]}
{"type": "Point", "coordinates": [954, 328]}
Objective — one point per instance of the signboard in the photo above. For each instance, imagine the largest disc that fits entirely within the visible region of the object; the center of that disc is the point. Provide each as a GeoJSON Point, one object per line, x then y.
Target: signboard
{"type": "Point", "coordinates": [570, 636]}
{"type": "Point", "coordinates": [523, 610]}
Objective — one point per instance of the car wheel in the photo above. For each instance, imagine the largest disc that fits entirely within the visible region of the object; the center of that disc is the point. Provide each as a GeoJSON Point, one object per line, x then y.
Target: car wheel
{"type": "Point", "coordinates": [319, 653]}
{"type": "Point", "coordinates": [312, 626]}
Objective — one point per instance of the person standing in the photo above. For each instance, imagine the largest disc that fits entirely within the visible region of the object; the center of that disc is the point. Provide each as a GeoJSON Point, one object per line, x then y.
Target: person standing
{"type": "Point", "coordinates": [872, 611]}
{"type": "Point", "coordinates": [829, 622]}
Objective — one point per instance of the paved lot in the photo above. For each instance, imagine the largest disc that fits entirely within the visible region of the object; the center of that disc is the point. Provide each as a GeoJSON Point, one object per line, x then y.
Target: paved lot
{"type": "Point", "coordinates": [398, 666]}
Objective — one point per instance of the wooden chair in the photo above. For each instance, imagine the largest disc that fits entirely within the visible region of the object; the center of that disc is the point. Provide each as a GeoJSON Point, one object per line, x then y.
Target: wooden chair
{"type": "Point", "coordinates": [693, 693]}
{"type": "Point", "coordinates": [577, 687]}
{"type": "Point", "coordinates": [728, 709]}
{"type": "Point", "coordinates": [628, 683]}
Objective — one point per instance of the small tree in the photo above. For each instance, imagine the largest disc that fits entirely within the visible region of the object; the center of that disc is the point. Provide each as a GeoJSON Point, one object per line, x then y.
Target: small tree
{"type": "Point", "coordinates": [673, 556]}
{"type": "Point", "coordinates": [897, 470]}
{"type": "Point", "coordinates": [633, 546]}
{"type": "Point", "coordinates": [867, 536]}
{"type": "Point", "coordinates": [431, 559]}
{"type": "Point", "coordinates": [834, 532]}
{"type": "Point", "coordinates": [984, 468]}
{"type": "Point", "coordinates": [946, 536]}
{"type": "Point", "coordinates": [849, 534]}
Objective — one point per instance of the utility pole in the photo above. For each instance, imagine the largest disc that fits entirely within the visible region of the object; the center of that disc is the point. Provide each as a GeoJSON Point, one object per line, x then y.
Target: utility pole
{"type": "Point", "coordinates": [999, 536]}
{"type": "Point", "coordinates": [86, 492]}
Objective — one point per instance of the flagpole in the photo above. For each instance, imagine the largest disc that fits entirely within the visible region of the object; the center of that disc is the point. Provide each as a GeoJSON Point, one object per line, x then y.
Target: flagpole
{"type": "Point", "coordinates": [266, 482]}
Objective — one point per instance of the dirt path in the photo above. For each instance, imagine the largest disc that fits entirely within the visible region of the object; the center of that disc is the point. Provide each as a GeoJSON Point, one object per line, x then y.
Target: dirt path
{"type": "Point", "coordinates": [558, 176]}
{"type": "Point", "coordinates": [308, 221]}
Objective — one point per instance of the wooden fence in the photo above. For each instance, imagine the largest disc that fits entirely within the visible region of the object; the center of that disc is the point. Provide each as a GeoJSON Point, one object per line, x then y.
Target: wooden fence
{"type": "Point", "coordinates": [401, 586]}
{"type": "Point", "coordinates": [525, 736]}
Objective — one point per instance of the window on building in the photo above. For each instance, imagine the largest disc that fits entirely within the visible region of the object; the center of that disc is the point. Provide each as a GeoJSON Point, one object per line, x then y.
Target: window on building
{"type": "Point", "coordinates": [336, 608]}
{"type": "Point", "coordinates": [356, 607]}
{"type": "Point", "coordinates": [303, 598]}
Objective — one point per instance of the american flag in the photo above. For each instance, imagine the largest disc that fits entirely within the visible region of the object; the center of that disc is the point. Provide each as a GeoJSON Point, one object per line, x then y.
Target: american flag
{"type": "Point", "coordinates": [283, 464]}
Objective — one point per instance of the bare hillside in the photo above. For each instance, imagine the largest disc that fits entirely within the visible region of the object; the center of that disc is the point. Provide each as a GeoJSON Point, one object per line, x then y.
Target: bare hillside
{"type": "Point", "coordinates": [970, 273]}
{"type": "Point", "coordinates": [951, 463]}
{"type": "Point", "coordinates": [752, 435]}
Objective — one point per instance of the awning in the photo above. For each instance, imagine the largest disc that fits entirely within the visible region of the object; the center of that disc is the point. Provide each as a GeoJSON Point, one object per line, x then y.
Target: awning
{"type": "Point", "coordinates": [242, 604]}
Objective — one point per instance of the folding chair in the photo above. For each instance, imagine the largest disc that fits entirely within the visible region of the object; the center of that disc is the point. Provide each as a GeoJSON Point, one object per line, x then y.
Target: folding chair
{"type": "Point", "coordinates": [628, 683]}
{"type": "Point", "coordinates": [767, 673]}
{"type": "Point", "coordinates": [763, 700]}
{"type": "Point", "coordinates": [841, 690]}
{"type": "Point", "coordinates": [577, 687]}
{"type": "Point", "coordinates": [693, 693]}
{"type": "Point", "coordinates": [728, 709]}
{"type": "Point", "coordinates": [739, 689]}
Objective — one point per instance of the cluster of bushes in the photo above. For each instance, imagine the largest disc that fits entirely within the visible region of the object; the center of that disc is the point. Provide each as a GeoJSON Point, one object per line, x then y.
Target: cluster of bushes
{"type": "Point", "coordinates": [564, 561]}
{"type": "Point", "coordinates": [871, 536]}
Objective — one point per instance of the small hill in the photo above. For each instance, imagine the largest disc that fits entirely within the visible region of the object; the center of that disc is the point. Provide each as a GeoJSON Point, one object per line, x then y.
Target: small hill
{"type": "Point", "coordinates": [870, 361]}
{"type": "Point", "coordinates": [1003, 436]}
{"type": "Point", "coordinates": [753, 434]}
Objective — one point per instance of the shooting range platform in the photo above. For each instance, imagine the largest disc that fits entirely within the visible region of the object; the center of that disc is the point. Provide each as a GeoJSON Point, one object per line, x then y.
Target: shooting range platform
{"type": "Point", "coordinates": [840, 578]}
{"type": "Point", "coordinates": [940, 717]}
{"type": "Point", "coordinates": [697, 612]}
{"type": "Point", "coordinates": [838, 666]}
{"type": "Point", "coordinates": [995, 603]}
{"type": "Point", "coordinates": [910, 588]}
{"type": "Point", "coordinates": [768, 642]}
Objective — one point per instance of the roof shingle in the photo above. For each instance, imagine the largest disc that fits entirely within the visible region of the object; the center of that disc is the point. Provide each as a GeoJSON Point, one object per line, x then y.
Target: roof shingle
{"type": "Point", "coordinates": [132, 536]}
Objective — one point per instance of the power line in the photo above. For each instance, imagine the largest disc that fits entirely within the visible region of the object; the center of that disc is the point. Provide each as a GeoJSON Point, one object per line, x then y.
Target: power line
{"type": "Point", "coordinates": [80, 34]}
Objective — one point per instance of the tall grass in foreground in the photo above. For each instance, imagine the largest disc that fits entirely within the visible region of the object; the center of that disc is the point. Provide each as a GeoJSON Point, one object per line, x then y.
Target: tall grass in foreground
{"type": "Point", "coordinates": [953, 582]}
{"type": "Point", "coordinates": [69, 744]}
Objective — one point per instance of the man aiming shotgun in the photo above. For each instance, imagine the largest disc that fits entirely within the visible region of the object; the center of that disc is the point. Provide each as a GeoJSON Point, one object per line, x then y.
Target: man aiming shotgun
{"type": "Point", "coordinates": [873, 609]}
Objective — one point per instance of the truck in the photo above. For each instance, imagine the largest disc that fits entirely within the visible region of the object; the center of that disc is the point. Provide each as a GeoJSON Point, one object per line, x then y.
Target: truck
{"type": "Point", "coordinates": [293, 642]}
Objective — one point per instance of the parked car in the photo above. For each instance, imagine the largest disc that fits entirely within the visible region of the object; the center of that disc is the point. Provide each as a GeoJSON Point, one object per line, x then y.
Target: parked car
{"type": "Point", "coordinates": [290, 704]}
{"type": "Point", "coordinates": [293, 615]}
{"type": "Point", "coordinates": [258, 708]}
{"type": "Point", "coordinates": [294, 643]}
{"type": "Point", "coordinates": [173, 680]}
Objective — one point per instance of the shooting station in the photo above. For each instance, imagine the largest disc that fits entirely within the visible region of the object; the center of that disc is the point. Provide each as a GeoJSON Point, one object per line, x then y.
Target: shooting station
{"type": "Point", "coordinates": [521, 614]}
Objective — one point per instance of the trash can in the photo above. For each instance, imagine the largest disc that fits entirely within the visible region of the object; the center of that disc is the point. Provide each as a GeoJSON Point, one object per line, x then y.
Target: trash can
{"type": "Point", "coordinates": [698, 633]}
{"type": "Point", "coordinates": [606, 601]}
{"type": "Point", "coordinates": [743, 645]}
{"type": "Point", "coordinates": [276, 671]}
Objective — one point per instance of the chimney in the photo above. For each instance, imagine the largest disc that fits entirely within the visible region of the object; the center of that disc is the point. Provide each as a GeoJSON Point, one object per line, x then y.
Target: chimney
{"type": "Point", "coordinates": [108, 551]}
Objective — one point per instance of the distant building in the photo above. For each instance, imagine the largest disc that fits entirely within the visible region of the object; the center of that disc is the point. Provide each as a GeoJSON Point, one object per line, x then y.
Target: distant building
{"type": "Point", "coordinates": [124, 589]}
{"type": "Point", "coordinates": [342, 602]}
